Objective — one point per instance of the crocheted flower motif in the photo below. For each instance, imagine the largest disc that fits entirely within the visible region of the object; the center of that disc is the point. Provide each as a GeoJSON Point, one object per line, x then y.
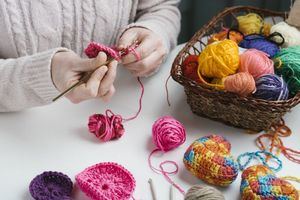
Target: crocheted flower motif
{"type": "Point", "coordinates": [106, 127]}
{"type": "Point", "coordinates": [259, 182]}
{"type": "Point", "coordinates": [209, 159]}
{"type": "Point", "coordinates": [106, 181]}
{"type": "Point", "coordinates": [51, 186]}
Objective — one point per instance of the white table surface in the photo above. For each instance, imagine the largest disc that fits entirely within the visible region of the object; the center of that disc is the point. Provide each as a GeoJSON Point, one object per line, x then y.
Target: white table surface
{"type": "Point", "coordinates": [56, 138]}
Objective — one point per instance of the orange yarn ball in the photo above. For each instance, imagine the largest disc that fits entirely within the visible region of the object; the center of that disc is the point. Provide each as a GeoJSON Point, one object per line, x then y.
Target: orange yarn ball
{"type": "Point", "coordinates": [241, 83]}
{"type": "Point", "coordinates": [222, 35]}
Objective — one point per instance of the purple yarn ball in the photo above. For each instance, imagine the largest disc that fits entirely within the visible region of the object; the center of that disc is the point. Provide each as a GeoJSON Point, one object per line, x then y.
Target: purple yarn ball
{"type": "Point", "coordinates": [271, 87]}
{"type": "Point", "coordinates": [261, 43]}
{"type": "Point", "coordinates": [51, 186]}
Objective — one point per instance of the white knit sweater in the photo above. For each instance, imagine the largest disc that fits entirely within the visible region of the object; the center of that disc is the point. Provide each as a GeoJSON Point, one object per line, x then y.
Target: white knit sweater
{"type": "Point", "coordinates": [32, 31]}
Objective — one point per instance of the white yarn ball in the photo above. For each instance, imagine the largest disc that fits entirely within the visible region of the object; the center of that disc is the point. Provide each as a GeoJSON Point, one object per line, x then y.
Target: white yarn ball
{"type": "Point", "coordinates": [199, 192]}
{"type": "Point", "coordinates": [290, 34]}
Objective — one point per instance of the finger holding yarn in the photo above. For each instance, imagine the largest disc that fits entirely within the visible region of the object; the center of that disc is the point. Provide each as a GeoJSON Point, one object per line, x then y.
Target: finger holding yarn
{"type": "Point", "coordinates": [290, 34]}
{"type": "Point", "coordinates": [209, 159]}
{"type": "Point", "coordinates": [261, 43]}
{"type": "Point", "coordinates": [287, 65]}
{"type": "Point", "coordinates": [241, 83]}
{"type": "Point", "coordinates": [251, 23]}
{"type": "Point", "coordinates": [271, 87]}
{"type": "Point", "coordinates": [200, 192]}
{"type": "Point", "coordinates": [256, 63]}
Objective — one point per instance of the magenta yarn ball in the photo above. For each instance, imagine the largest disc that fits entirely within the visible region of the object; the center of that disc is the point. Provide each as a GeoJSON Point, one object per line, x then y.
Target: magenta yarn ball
{"type": "Point", "coordinates": [168, 133]}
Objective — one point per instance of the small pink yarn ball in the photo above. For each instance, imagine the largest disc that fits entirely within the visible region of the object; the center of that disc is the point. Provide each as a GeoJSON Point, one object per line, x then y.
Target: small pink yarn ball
{"type": "Point", "coordinates": [241, 83]}
{"type": "Point", "coordinates": [168, 133]}
{"type": "Point", "coordinates": [256, 63]}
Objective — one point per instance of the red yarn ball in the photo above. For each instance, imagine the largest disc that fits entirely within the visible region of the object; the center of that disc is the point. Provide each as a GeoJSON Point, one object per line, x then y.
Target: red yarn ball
{"type": "Point", "coordinates": [190, 68]}
{"type": "Point", "coordinates": [106, 127]}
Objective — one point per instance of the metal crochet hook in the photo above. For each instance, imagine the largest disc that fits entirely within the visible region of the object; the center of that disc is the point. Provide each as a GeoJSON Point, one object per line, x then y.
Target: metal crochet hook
{"type": "Point", "coordinates": [82, 80]}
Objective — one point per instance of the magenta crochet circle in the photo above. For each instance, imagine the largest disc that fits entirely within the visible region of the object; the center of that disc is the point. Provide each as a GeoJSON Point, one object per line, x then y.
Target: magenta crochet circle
{"type": "Point", "coordinates": [106, 181]}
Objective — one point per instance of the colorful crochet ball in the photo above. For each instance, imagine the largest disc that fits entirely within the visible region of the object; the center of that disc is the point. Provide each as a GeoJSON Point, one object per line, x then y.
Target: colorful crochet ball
{"type": "Point", "coordinates": [51, 185]}
{"type": "Point", "coordinates": [260, 183]}
{"type": "Point", "coordinates": [287, 65]}
{"type": "Point", "coordinates": [256, 63]}
{"type": "Point", "coordinates": [261, 43]}
{"type": "Point", "coordinates": [190, 67]}
{"type": "Point", "coordinates": [271, 87]}
{"type": "Point", "coordinates": [105, 181]}
{"type": "Point", "coordinates": [209, 159]}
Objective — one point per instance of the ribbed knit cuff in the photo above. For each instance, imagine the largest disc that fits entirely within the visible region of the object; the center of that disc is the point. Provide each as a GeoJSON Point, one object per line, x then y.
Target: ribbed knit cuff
{"type": "Point", "coordinates": [38, 74]}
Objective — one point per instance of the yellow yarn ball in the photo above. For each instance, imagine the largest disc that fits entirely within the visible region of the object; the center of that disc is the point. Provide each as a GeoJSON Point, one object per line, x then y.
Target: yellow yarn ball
{"type": "Point", "coordinates": [251, 23]}
{"type": "Point", "coordinates": [218, 60]}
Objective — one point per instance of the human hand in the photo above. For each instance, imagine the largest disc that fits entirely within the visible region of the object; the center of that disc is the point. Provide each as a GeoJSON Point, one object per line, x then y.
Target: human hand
{"type": "Point", "coordinates": [67, 68]}
{"type": "Point", "coordinates": [151, 50]}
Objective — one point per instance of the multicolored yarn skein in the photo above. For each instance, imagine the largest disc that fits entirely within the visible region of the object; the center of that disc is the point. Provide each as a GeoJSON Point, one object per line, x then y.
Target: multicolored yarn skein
{"type": "Point", "coordinates": [287, 65]}
{"type": "Point", "coordinates": [110, 126]}
{"type": "Point", "coordinates": [218, 60]}
{"type": "Point", "coordinates": [259, 181]}
{"type": "Point", "coordinates": [290, 34]}
{"type": "Point", "coordinates": [271, 87]}
{"type": "Point", "coordinates": [209, 159]}
{"type": "Point", "coordinates": [251, 23]}
{"type": "Point", "coordinates": [261, 43]}
{"type": "Point", "coordinates": [256, 63]}
{"type": "Point", "coordinates": [167, 133]}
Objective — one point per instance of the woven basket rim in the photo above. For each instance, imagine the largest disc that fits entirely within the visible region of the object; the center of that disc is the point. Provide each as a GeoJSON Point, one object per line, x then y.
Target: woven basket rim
{"type": "Point", "coordinates": [200, 34]}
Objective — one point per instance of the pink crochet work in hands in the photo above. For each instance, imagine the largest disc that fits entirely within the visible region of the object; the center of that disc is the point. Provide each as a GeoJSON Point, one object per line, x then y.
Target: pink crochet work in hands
{"type": "Point", "coordinates": [106, 181]}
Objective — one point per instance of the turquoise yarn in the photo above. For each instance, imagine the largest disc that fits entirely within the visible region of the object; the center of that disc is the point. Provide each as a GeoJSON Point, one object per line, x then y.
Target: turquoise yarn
{"type": "Point", "coordinates": [287, 65]}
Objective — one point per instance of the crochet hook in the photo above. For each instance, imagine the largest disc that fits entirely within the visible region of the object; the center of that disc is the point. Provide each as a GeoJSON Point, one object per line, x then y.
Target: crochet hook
{"type": "Point", "coordinates": [152, 189]}
{"type": "Point", "coordinates": [82, 80]}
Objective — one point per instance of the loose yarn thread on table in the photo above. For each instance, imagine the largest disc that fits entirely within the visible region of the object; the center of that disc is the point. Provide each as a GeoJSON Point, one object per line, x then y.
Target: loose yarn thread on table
{"type": "Point", "coordinates": [106, 181]}
{"type": "Point", "coordinates": [209, 159]}
{"type": "Point", "coordinates": [110, 126]}
{"type": "Point", "coordinates": [168, 134]}
{"type": "Point", "coordinates": [51, 185]}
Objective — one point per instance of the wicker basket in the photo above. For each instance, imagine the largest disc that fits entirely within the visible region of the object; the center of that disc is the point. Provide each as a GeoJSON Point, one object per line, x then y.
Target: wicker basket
{"type": "Point", "coordinates": [243, 112]}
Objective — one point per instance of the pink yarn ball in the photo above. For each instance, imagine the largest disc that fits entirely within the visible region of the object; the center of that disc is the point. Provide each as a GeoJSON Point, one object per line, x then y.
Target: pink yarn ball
{"type": "Point", "coordinates": [168, 133]}
{"type": "Point", "coordinates": [256, 63]}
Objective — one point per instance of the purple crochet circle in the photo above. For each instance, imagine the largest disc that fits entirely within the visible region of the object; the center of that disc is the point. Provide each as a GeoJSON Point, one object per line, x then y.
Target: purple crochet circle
{"type": "Point", "coordinates": [51, 186]}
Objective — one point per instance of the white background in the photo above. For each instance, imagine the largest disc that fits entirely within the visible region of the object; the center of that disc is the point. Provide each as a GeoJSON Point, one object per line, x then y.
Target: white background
{"type": "Point", "coordinates": [56, 138]}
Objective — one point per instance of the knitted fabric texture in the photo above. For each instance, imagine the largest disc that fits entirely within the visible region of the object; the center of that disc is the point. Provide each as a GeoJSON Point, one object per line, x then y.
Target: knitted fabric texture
{"type": "Point", "coordinates": [105, 181]}
{"type": "Point", "coordinates": [209, 159]}
{"type": "Point", "coordinates": [51, 185]}
{"type": "Point", "coordinates": [260, 183]}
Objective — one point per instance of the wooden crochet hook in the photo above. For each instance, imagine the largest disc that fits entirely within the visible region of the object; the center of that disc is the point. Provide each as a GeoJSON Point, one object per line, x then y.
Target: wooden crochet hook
{"type": "Point", "coordinates": [82, 80]}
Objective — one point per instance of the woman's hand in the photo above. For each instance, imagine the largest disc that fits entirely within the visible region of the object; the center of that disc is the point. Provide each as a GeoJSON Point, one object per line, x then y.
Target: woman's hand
{"type": "Point", "coordinates": [67, 68]}
{"type": "Point", "coordinates": [151, 50]}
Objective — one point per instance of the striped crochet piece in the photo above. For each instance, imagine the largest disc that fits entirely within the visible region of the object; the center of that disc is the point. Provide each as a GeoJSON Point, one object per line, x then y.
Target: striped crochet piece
{"type": "Point", "coordinates": [260, 183]}
{"type": "Point", "coordinates": [209, 159]}
{"type": "Point", "coordinates": [106, 181]}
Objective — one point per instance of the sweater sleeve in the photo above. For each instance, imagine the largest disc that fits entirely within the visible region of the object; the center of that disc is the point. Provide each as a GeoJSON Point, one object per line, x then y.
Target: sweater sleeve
{"type": "Point", "coordinates": [294, 17]}
{"type": "Point", "coordinates": [26, 81]}
{"type": "Point", "coordinates": [162, 17]}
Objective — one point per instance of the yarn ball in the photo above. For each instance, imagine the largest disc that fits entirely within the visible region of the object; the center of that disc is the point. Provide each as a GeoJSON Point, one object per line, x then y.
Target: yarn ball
{"type": "Point", "coordinates": [106, 181]}
{"type": "Point", "coordinates": [271, 87]}
{"type": "Point", "coordinates": [288, 66]}
{"type": "Point", "coordinates": [259, 182]}
{"type": "Point", "coordinates": [226, 33]}
{"type": "Point", "coordinates": [241, 83]}
{"type": "Point", "coordinates": [51, 185]}
{"type": "Point", "coordinates": [209, 159]}
{"type": "Point", "coordinates": [290, 34]}
{"type": "Point", "coordinates": [219, 60]}
{"type": "Point", "coordinates": [251, 23]}
{"type": "Point", "coordinates": [106, 127]}
{"type": "Point", "coordinates": [168, 133]}
{"type": "Point", "coordinates": [256, 63]}
{"type": "Point", "coordinates": [94, 48]}
{"type": "Point", "coordinates": [261, 43]}
{"type": "Point", "coordinates": [267, 29]}
{"type": "Point", "coordinates": [190, 67]}
{"type": "Point", "coordinates": [199, 192]}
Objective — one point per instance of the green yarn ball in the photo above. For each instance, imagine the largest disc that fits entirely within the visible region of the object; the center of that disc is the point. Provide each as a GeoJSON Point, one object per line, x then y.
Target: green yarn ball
{"type": "Point", "coordinates": [287, 65]}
